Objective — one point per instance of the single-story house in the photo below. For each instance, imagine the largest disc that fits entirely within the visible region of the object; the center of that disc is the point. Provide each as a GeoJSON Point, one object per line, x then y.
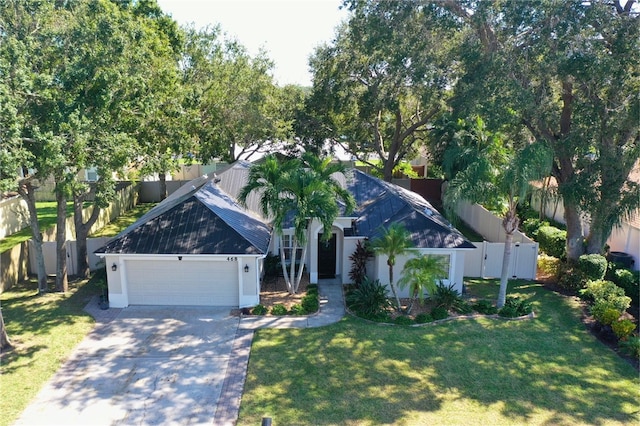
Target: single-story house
{"type": "Point", "coordinates": [200, 247]}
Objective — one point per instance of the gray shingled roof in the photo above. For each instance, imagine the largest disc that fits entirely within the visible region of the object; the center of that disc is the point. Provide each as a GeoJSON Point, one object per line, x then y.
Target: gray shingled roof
{"type": "Point", "coordinates": [202, 220]}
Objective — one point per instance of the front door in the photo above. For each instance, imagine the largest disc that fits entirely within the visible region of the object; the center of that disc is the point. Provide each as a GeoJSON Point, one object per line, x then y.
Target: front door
{"type": "Point", "coordinates": [327, 257]}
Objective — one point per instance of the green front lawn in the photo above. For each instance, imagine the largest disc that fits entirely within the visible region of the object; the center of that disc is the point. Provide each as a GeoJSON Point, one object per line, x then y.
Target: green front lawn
{"type": "Point", "coordinates": [44, 330]}
{"type": "Point", "coordinates": [548, 370]}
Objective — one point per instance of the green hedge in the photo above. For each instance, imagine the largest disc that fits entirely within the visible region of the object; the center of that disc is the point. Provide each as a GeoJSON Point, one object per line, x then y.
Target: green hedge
{"type": "Point", "coordinates": [552, 241]}
{"type": "Point", "coordinates": [593, 266]}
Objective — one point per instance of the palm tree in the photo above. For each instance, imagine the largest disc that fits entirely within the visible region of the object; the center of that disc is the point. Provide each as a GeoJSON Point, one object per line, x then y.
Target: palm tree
{"type": "Point", "coordinates": [421, 274]}
{"type": "Point", "coordinates": [289, 191]}
{"type": "Point", "coordinates": [393, 242]}
{"type": "Point", "coordinates": [493, 174]}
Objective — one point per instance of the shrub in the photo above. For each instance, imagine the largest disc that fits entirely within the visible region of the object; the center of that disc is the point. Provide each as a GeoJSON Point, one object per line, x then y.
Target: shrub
{"type": "Point", "coordinates": [370, 299]}
{"type": "Point", "coordinates": [278, 309]}
{"type": "Point", "coordinates": [424, 318]}
{"type": "Point", "coordinates": [552, 241]}
{"type": "Point", "coordinates": [631, 346]}
{"type": "Point", "coordinates": [439, 313]}
{"type": "Point", "coordinates": [359, 259]}
{"type": "Point", "coordinates": [310, 303]}
{"type": "Point", "coordinates": [312, 289]}
{"type": "Point", "coordinates": [593, 266]}
{"type": "Point", "coordinates": [515, 307]}
{"type": "Point", "coordinates": [485, 307]}
{"type": "Point", "coordinates": [549, 265]}
{"type": "Point", "coordinates": [604, 312]}
{"type": "Point", "coordinates": [603, 290]}
{"type": "Point", "coordinates": [623, 328]}
{"type": "Point", "coordinates": [259, 310]}
{"type": "Point", "coordinates": [403, 320]}
{"type": "Point", "coordinates": [531, 226]}
{"type": "Point", "coordinates": [571, 278]}
{"type": "Point", "coordinates": [629, 281]}
{"type": "Point", "coordinates": [297, 309]}
{"type": "Point", "coordinates": [447, 297]}
{"type": "Point", "coordinates": [463, 307]}
{"type": "Point", "coordinates": [271, 264]}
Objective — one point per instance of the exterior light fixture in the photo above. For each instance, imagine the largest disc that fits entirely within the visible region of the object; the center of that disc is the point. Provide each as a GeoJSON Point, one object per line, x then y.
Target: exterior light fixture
{"type": "Point", "coordinates": [179, 257]}
{"type": "Point", "coordinates": [246, 268]}
{"type": "Point", "coordinates": [114, 267]}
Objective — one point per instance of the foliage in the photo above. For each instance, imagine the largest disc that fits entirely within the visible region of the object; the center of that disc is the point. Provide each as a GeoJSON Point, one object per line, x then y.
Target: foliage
{"type": "Point", "coordinates": [259, 310]}
{"type": "Point", "coordinates": [631, 346]}
{"type": "Point", "coordinates": [447, 297]}
{"type": "Point", "coordinates": [531, 226]}
{"type": "Point", "coordinates": [485, 307]}
{"type": "Point", "coordinates": [629, 281]}
{"type": "Point", "coordinates": [570, 277]}
{"type": "Point", "coordinates": [297, 309]}
{"type": "Point", "coordinates": [549, 265]}
{"type": "Point", "coordinates": [605, 312]}
{"type": "Point", "coordinates": [382, 81]}
{"type": "Point", "coordinates": [552, 241]}
{"type": "Point", "coordinates": [310, 302]}
{"type": "Point", "coordinates": [294, 192]}
{"type": "Point", "coordinates": [423, 318]}
{"type": "Point", "coordinates": [393, 241]}
{"type": "Point", "coordinates": [370, 299]}
{"type": "Point", "coordinates": [359, 259]}
{"type": "Point", "coordinates": [279, 309]}
{"type": "Point", "coordinates": [421, 274]}
{"type": "Point", "coordinates": [486, 167]}
{"type": "Point", "coordinates": [623, 328]}
{"type": "Point", "coordinates": [515, 307]}
{"type": "Point", "coordinates": [607, 291]}
{"type": "Point", "coordinates": [593, 266]}
{"type": "Point", "coordinates": [439, 312]}
{"type": "Point", "coordinates": [271, 264]}
{"type": "Point", "coordinates": [402, 320]}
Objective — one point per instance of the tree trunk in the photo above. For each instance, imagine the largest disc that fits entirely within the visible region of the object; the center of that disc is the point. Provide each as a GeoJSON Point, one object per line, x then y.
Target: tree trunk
{"type": "Point", "coordinates": [27, 192]}
{"type": "Point", "coordinates": [283, 265]}
{"type": "Point", "coordinates": [504, 274]}
{"type": "Point", "coordinates": [393, 287]}
{"type": "Point", "coordinates": [5, 343]}
{"type": "Point", "coordinates": [575, 246]}
{"type": "Point", "coordinates": [510, 224]}
{"type": "Point", "coordinates": [163, 185]}
{"type": "Point", "coordinates": [303, 258]}
{"type": "Point", "coordinates": [62, 283]}
{"type": "Point", "coordinates": [82, 232]}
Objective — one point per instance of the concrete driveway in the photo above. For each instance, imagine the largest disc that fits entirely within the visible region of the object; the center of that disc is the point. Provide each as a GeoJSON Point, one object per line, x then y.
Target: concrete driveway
{"type": "Point", "coordinates": [148, 366]}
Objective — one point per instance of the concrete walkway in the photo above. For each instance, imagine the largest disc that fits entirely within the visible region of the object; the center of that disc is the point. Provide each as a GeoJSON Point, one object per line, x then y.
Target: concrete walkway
{"type": "Point", "coordinates": [82, 393]}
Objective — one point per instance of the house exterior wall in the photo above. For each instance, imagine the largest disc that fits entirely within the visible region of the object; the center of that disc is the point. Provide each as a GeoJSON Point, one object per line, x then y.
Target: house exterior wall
{"type": "Point", "coordinates": [247, 284]}
{"type": "Point", "coordinates": [456, 268]}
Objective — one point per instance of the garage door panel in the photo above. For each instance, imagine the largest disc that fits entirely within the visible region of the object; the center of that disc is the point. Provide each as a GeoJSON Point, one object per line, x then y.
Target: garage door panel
{"type": "Point", "coordinates": [173, 282]}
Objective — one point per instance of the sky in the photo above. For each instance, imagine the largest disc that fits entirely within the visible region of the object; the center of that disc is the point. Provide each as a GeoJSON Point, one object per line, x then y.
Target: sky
{"type": "Point", "coordinates": [289, 30]}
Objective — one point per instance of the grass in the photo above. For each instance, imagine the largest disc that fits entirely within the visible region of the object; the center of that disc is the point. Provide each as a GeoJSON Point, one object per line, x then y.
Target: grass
{"type": "Point", "coordinates": [44, 330]}
{"type": "Point", "coordinates": [47, 217]}
{"type": "Point", "coordinates": [123, 221]}
{"type": "Point", "coordinates": [548, 370]}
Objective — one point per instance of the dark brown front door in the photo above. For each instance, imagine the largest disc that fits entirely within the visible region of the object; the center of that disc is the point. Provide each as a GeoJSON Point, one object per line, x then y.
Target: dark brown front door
{"type": "Point", "coordinates": [327, 257]}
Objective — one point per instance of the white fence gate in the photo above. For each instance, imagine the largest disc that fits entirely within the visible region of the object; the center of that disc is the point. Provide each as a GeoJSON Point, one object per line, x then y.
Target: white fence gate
{"type": "Point", "coordinates": [486, 260]}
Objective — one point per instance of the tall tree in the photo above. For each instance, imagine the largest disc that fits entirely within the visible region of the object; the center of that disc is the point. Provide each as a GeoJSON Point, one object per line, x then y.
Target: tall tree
{"type": "Point", "coordinates": [568, 72]}
{"type": "Point", "coordinates": [237, 110]}
{"type": "Point", "coordinates": [395, 241]}
{"type": "Point", "coordinates": [485, 169]}
{"type": "Point", "coordinates": [383, 80]}
{"type": "Point", "coordinates": [293, 195]}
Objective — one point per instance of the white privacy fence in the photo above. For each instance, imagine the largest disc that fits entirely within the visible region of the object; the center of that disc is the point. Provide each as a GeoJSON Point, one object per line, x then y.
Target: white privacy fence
{"type": "Point", "coordinates": [49, 252]}
{"type": "Point", "coordinates": [485, 261]}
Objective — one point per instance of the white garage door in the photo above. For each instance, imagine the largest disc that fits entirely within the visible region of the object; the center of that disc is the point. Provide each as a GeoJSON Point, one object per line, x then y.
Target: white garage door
{"type": "Point", "coordinates": [174, 282]}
